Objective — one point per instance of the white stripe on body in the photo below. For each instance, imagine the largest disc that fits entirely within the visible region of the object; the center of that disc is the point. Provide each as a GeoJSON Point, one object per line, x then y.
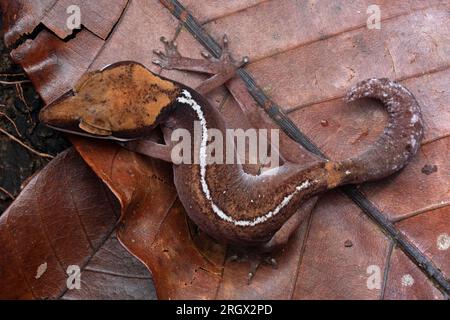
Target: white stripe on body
{"type": "Point", "coordinates": [187, 99]}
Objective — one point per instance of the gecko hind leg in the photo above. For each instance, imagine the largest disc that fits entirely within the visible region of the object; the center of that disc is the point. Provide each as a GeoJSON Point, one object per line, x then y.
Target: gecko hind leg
{"type": "Point", "coordinates": [282, 236]}
{"type": "Point", "coordinates": [262, 255]}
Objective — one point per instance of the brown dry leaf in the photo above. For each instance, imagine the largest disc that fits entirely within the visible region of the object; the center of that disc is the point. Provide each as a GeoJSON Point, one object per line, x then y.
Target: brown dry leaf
{"type": "Point", "coordinates": [46, 231]}
{"type": "Point", "coordinates": [305, 64]}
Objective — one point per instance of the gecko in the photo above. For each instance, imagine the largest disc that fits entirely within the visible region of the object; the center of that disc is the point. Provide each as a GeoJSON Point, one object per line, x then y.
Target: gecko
{"type": "Point", "coordinates": [126, 102]}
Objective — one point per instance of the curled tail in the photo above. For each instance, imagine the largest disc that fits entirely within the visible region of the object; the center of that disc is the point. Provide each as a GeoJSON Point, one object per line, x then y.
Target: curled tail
{"type": "Point", "coordinates": [397, 144]}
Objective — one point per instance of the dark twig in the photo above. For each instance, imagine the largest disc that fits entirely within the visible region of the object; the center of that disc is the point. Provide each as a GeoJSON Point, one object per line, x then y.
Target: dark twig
{"type": "Point", "coordinates": [14, 82]}
{"type": "Point", "coordinates": [20, 74]}
{"type": "Point", "coordinates": [9, 194]}
{"type": "Point", "coordinates": [12, 123]}
{"type": "Point", "coordinates": [19, 90]}
{"type": "Point", "coordinates": [40, 154]}
{"type": "Point", "coordinates": [286, 124]}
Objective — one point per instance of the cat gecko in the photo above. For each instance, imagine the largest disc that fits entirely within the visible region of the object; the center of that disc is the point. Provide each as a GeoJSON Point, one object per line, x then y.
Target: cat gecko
{"type": "Point", "coordinates": [126, 102]}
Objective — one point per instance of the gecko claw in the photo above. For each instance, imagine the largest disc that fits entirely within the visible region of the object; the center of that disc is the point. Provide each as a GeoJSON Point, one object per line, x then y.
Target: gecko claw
{"type": "Point", "coordinates": [245, 60]}
{"type": "Point", "coordinates": [206, 55]}
{"type": "Point", "coordinates": [225, 41]}
{"type": "Point", "coordinates": [250, 276]}
{"type": "Point", "coordinates": [225, 48]}
{"type": "Point", "coordinates": [272, 262]}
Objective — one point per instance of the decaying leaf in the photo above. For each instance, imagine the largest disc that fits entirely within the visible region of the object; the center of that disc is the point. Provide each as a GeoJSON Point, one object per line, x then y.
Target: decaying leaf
{"type": "Point", "coordinates": [185, 263]}
{"type": "Point", "coordinates": [305, 64]}
{"type": "Point", "coordinates": [65, 218]}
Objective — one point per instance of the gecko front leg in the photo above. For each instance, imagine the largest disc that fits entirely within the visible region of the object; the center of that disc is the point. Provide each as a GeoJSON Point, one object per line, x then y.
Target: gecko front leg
{"type": "Point", "coordinates": [222, 69]}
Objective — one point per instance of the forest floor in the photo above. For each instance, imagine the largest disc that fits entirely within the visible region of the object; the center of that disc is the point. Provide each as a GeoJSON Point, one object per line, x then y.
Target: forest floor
{"type": "Point", "coordinates": [25, 145]}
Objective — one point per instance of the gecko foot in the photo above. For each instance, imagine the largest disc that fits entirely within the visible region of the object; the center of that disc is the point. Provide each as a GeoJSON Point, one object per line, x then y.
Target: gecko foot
{"type": "Point", "coordinates": [226, 59]}
{"type": "Point", "coordinates": [171, 58]}
{"type": "Point", "coordinates": [166, 59]}
{"type": "Point", "coordinates": [255, 260]}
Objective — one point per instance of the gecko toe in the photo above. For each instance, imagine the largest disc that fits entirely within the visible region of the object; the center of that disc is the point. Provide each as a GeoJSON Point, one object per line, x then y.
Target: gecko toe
{"type": "Point", "coordinates": [165, 59]}
{"type": "Point", "coordinates": [206, 55]}
{"type": "Point", "coordinates": [225, 42]}
{"type": "Point", "coordinates": [272, 262]}
{"type": "Point", "coordinates": [254, 259]}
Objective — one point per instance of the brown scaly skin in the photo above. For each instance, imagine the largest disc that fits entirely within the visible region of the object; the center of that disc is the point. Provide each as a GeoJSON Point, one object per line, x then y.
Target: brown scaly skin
{"type": "Point", "coordinates": [144, 100]}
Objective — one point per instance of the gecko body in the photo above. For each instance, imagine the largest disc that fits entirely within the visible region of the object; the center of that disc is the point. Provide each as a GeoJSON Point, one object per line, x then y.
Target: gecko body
{"type": "Point", "coordinates": [126, 101]}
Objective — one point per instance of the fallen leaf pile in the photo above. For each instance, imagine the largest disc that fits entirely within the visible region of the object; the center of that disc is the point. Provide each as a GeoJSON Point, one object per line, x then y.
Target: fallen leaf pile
{"type": "Point", "coordinates": [97, 196]}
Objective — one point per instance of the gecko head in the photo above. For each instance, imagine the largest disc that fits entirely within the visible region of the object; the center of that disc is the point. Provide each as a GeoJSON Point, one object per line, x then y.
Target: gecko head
{"type": "Point", "coordinates": [122, 101]}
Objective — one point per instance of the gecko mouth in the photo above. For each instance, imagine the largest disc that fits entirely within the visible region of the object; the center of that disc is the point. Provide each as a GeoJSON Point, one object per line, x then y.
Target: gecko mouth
{"type": "Point", "coordinates": [94, 129]}
{"type": "Point", "coordinates": [88, 135]}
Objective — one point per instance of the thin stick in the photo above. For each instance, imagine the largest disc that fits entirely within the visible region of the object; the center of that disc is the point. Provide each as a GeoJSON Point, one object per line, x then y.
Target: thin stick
{"type": "Point", "coordinates": [19, 91]}
{"type": "Point", "coordinates": [12, 74]}
{"type": "Point", "coordinates": [12, 122]}
{"type": "Point", "coordinates": [9, 194]}
{"type": "Point", "coordinates": [14, 82]}
{"type": "Point", "coordinates": [40, 154]}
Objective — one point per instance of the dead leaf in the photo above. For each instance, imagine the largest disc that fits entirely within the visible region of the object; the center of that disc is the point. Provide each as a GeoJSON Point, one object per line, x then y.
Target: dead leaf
{"type": "Point", "coordinates": [45, 231]}
{"type": "Point", "coordinates": [308, 62]}
{"type": "Point", "coordinates": [163, 240]}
